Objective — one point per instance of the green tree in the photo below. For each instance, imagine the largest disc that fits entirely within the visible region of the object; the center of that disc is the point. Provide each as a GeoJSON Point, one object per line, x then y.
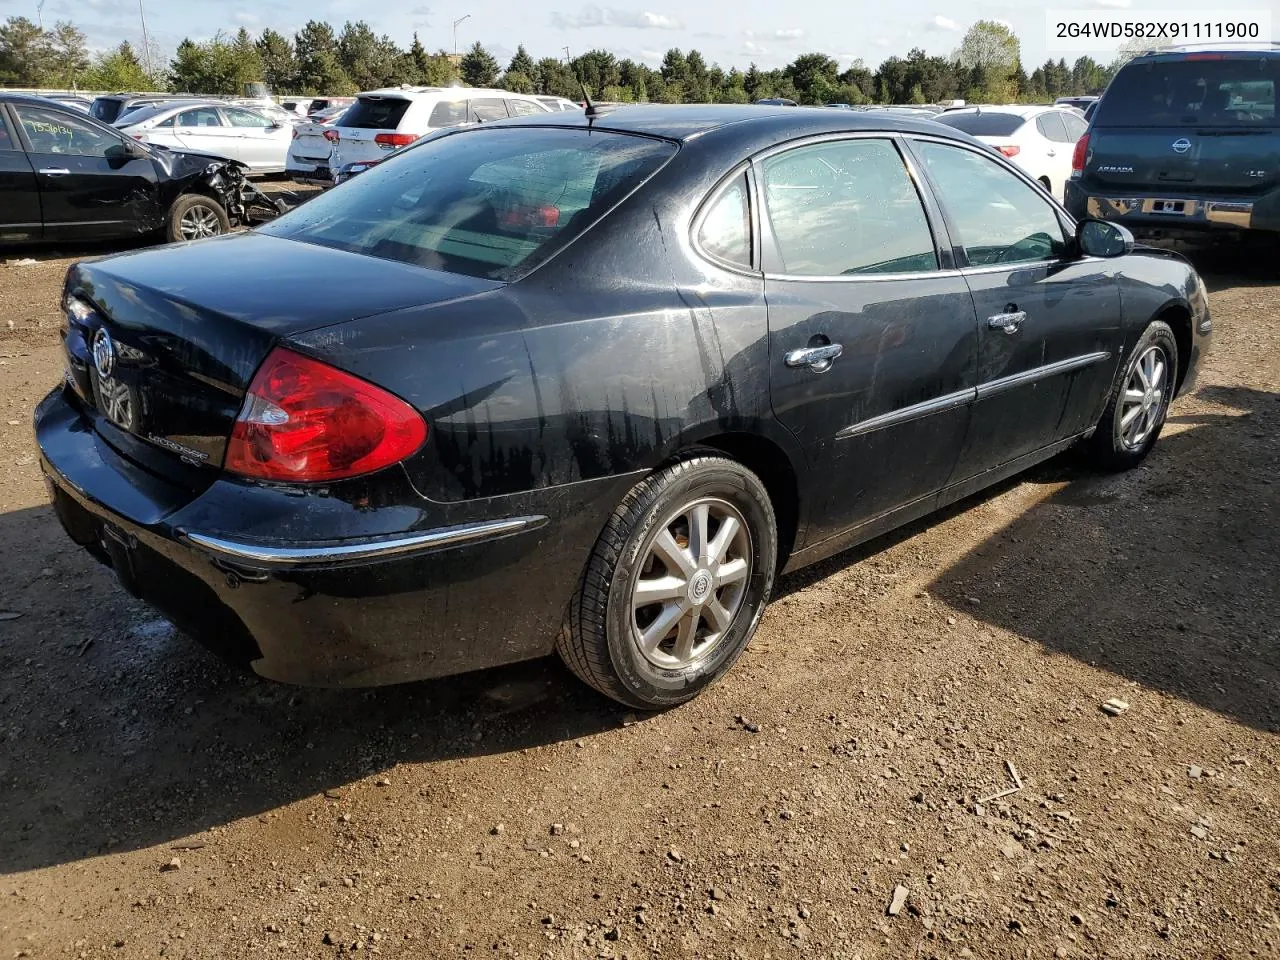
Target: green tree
{"type": "Point", "coordinates": [813, 75]}
{"type": "Point", "coordinates": [26, 58]}
{"type": "Point", "coordinates": [674, 66]}
{"type": "Point", "coordinates": [751, 81]}
{"type": "Point", "coordinates": [990, 46]}
{"type": "Point", "coordinates": [518, 82]}
{"type": "Point", "coordinates": [369, 60]}
{"type": "Point", "coordinates": [68, 54]}
{"type": "Point", "coordinates": [478, 67]}
{"type": "Point", "coordinates": [118, 69]}
{"type": "Point", "coordinates": [597, 69]}
{"type": "Point", "coordinates": [421, 60]}
{"type": "Point", "coordinates": [247, 61]}
{"type": "Point", "coordinates": [557, 80]}
{"type": "Point", "coordinates": [523, 63]}
{"type": "Point", "coordinates": [697, 81]}
{"type": "Point", "coordinates": [440, 71]}
{"type": "Point", "coordinates": [279, 65]}
{"type": "Point", "coordinates": [319, 67]}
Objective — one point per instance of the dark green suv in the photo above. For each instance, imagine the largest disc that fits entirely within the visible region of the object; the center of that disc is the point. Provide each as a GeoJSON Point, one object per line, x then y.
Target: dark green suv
{"type": "Point", "coordinates": [1184, 142]}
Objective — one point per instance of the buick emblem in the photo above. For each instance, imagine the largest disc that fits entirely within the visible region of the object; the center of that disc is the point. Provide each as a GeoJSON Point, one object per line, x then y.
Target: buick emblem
{"type": "Point", "coordinates": [1181, 145]}
{"type": "Point", "coordinates": [104, 353]}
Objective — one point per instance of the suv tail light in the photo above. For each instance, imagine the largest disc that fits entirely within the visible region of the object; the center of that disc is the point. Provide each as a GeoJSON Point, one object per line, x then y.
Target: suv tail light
{"type": "Point", "coordinates": [333, 136]}
{"type": "Point", "coordinates": [1010, 150]}
{"type": "Point", "coordinates": [394, 140]}
{"type": "Point", "coordinates": [305, 421]}
{"type": "Point", "coordinates": [1079, 155]}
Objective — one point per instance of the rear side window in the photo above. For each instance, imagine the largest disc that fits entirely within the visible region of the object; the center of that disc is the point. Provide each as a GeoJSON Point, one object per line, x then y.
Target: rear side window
{"type": "Point", "coordinates": [490, 203]}
{"type": "Point", "coordinates": [1219, 93]}
{"type": "Point", "coordinates": [725, 232]}
{"type": "Point", "coordinates": [246, 118]}
{"type": "Point", "coordinates": [105, 109]}
{"type": "Point", "coordinates": [448, 113]}
{"type": "Point", "coordinates": [375, 113]}
{"type": "Point", "coordinates": [846, 208]}
{"type": "Point", "coordinates": [983, 124]}
{"type": "Point", "coordinates": [489, 108]}
{"type": "Point", "coordinates": [199, 117]}
{"type": "Point", "coordinates": [1075, 127]}
{"type": "Point", "coordinates": [1051, 126]}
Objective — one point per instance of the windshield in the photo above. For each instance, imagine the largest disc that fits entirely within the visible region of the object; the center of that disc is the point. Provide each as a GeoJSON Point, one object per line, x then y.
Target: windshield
{"type": "Point", "coordinates": [983, 124]}
{"type": "Point", "coordinates": [1193, 92]}
{"type": "Point", "coordinates": [486, 203]}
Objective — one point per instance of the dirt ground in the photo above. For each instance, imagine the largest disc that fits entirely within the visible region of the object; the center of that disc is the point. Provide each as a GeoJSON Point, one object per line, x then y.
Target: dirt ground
{"type": "Point", "coordinates": [156, 803]}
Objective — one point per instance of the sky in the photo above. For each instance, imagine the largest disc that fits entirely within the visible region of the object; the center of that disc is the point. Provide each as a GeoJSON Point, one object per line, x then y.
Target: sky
{"type": "Point", "coordinates": [730, 32]}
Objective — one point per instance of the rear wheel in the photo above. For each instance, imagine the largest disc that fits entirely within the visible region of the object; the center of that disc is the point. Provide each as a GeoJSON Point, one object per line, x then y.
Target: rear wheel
{"type": "Point", "coordinates": [1139, 401]}
{"type": "Point", "coordinates": [675, 586]}
{"type": "Point", "coordinates": [194, 216]}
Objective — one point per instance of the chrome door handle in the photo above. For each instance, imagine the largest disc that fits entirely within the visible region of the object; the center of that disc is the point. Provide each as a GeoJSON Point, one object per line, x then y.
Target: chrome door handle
{"type": "Point", "coordinates": [55, 171]}
{"type": "Point", "coordinates": [817, 359]}
{"type": "Point", "coordinates": [1053, 153]}
{"type": "Point", "coordinates": [1008, 322]}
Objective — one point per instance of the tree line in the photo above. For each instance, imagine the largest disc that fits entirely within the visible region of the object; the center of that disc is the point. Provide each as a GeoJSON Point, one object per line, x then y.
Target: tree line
{"type": "Point", "coordinates": [986, 68]}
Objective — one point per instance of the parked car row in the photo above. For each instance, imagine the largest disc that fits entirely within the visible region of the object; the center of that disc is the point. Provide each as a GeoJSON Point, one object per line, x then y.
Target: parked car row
{"type": "Point", "coordinates": [66, 176]}
{"type": "Point", "coordinates": [381, 121]}
{"type": "Point", "coordinates": [223, 129]}
{"type": "Point", "coordinates": [1040, 140]}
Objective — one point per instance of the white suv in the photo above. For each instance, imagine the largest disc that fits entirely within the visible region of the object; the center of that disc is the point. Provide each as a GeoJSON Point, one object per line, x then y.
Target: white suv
{"type": "Point", "coordinates": [384, 120]}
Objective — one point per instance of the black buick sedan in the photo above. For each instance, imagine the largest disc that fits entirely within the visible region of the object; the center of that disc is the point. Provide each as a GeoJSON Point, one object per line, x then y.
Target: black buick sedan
{"type": "Point", "coordinates": [591, 384]}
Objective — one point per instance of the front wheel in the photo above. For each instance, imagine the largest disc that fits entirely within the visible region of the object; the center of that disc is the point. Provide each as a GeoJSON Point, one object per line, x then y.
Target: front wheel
{"type": "Point", "coordinates": [194, 216]}
{"type": "Point", "coordinates": [676, 584]}
{"type": "Point", "coordinates": [1139, 401]}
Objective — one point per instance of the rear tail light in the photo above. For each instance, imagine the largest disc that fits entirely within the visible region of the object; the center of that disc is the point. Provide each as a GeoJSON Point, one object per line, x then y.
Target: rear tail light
{"type": "Point", "coordinates": [1010, 150]}
{"type": "Point", "coordinates": [295, 133]}
{"type": "Point", "coordinates": [305, 421]}
{"type": "Point", "coordinates": [1205, 56]}
{"type": "Point", "coordinates": [1078, 156]}
{"type": "Point", "coordinates": [394, 140]}
{"type": "Point", "coordinates": [333, 136]}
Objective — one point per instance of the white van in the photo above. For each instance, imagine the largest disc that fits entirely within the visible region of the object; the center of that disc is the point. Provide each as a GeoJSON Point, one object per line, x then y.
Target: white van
{"type": "Point", "coordinates": [381, 121]}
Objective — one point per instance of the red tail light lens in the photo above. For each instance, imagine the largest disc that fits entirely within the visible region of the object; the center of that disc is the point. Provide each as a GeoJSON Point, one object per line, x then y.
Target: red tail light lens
{"type": "Point", "coordinates": [1078, 156]}
{"type": "Point", "coordinates": [305, 421]}
{"type": "Point", "coordinates": [395, 139]}
{"type": "Point", "coordinates": [1010, 150]}
{"type": "Point", "coordinates": [333, 136]}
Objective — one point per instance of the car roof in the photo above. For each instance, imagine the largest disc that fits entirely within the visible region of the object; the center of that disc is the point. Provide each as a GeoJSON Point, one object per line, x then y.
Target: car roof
{"type": "Point", "coordinates": [410, 93]}
{"type": "Point", "coordinates": [684, 122]}
{"type": "Point", "coordinates": [1026, 111]}
{"type": "Point", "coordinates": [1244, 51]}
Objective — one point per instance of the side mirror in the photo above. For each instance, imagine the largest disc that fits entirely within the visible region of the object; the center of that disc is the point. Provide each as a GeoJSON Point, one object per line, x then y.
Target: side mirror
{"type": "Point", "coordinates": [1099, 238]}
{"type": "Point", "coordinates": [126, 151]}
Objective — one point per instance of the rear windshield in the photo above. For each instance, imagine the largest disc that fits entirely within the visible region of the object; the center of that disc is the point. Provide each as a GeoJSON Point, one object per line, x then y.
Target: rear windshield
{"type": "Point", "coordinates": [105, 109]}
{"type": "Point", "coordinates": [1208, 93]}
{"type": "Point", "coordinates": [486, 203]}
{"type": "Point", "coordinates": [983, 124]}
{"type": "Point", "coordinates": [375, 113]}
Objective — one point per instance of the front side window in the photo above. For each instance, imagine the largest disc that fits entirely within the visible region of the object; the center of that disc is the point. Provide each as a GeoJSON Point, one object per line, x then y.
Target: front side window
{"type": "Point", "coordinates": [999, 217]}
{"type": "Point", "coordinates": [52, 132]}
{"type": "Point", "coordinates": [7, 140]}
{"type": "Point", "coordinates": [725, 232]}
{"type": "Point", "coordinates": [489, 203]}
{"type": "Point", "coordinates": [199, 117]}
{"type": "Point", "coordinates": [523, 108]}
{"type": "Point", "coordinates": [846, 208]}
{"type": "Point", "coordinates": [246, 118]}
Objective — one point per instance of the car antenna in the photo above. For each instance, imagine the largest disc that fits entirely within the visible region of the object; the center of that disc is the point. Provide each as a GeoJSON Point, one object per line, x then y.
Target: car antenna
{"type": "Point", "coordinates": [592, 110]}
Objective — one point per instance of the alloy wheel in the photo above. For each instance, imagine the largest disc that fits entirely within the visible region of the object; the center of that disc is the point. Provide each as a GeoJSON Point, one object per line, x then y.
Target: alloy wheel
{"type": "Point", "coordinates": [200, 221]}
{"type": "Point", "coordinates": [1145, 397]}
{"type": "Point", "coordinates": [691, 583]}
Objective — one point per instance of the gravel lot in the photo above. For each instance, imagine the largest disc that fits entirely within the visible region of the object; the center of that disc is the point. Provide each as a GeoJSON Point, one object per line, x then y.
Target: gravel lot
{"type": "Point", "coordinates": [154, 802]}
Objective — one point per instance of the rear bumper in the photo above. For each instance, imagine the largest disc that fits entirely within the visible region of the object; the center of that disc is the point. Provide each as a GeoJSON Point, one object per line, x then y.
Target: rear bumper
{"type": "Point", "coordinates": [308, 172]}
{"type": "Point", "coordinates": [460, 587]}
{"type": "Point", "coordinates": [1174, 211]}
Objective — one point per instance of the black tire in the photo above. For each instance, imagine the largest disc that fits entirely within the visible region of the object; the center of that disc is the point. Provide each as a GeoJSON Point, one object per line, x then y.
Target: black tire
{"type": "Point", "coordinates": [599, 640]}
{"type": "Point", "coordinates": [190, 204]}
{"type": "Point", "coordinates": [1110, 447]}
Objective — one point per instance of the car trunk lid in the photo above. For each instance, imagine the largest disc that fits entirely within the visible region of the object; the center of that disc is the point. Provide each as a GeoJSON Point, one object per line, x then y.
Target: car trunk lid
{"type": "Point", "coordinates": [1204, 160]}
{"type": "Point", "coordinates": [369, 117]}
{"type": "Point", "coordinates": [162, 345]}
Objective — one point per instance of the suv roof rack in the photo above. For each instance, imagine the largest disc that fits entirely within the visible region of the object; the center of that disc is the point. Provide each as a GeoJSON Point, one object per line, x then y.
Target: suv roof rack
{"type": "Point", "coordinates": [1241, 46]}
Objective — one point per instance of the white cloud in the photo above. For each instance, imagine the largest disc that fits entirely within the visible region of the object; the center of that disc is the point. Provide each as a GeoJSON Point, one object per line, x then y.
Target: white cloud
{"type": "Point", "coordinates": [753, 49]}
{"type": "Point", "coordinates": [1114, 4]}
{"type": "Point", "coordinates": [794, 33]}
{"type": "Point", "coordinates": [942, 23]}
{"type": "Point", "coordinates": [593, 16]}
{"type": "Point", "coordinates": [248, 19]}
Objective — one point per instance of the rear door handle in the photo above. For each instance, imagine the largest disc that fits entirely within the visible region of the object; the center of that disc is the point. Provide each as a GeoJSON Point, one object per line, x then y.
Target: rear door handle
{"type": "Point", "coordinates": [55, 171]}
{"type": "Point", "coordinates": [1008, 322]}
{"type": "Point", "coordinates": [817, 359]}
